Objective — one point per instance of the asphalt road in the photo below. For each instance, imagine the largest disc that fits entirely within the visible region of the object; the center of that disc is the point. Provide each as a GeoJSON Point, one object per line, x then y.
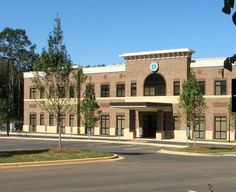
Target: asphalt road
{"type": "Point", "coordinates": [143, 169]}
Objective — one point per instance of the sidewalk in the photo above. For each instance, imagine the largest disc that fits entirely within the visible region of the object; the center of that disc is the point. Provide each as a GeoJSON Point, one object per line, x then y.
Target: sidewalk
{"type": "Point", "coordinates": [86, 138]}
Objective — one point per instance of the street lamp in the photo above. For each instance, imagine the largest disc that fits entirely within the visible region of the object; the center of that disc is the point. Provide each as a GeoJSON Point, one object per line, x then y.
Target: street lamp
{"type": "Point", "coordinates": [8, 91]}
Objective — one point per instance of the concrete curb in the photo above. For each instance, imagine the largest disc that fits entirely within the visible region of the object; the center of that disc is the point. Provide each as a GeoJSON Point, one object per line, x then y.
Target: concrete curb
{"type": "Point", "coordinates": [164, 151]}
{"type": "Point", "coordinates": [59, 162]}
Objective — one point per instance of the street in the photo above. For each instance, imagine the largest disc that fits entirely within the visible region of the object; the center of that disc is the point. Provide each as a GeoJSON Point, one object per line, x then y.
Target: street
{"type": "Point", "coordinates": [142, 169]}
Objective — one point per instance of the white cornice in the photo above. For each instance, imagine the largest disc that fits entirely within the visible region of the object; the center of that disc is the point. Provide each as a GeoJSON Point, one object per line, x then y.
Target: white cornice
{"type": "Point", "coordinates": [32, 74]}
{"type": "Point", "coordinates": [105, 69]}
{"type": "Point", "coordinates": [208, 62]}
{"type": "Point", "coordinates": [157, 52]}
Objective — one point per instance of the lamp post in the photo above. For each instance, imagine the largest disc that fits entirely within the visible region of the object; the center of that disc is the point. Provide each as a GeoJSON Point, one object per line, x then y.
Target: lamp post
{"type": "Point", "coordinates": [8, 91]}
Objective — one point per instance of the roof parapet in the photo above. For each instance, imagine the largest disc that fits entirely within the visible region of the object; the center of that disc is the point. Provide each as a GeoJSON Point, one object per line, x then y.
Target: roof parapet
{"type": "Point", "coordinates": [159, 54]}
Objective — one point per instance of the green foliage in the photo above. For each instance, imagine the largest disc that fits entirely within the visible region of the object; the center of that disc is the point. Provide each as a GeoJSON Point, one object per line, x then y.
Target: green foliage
{"type": "Point", "coordinates": [232, 114]}
{"type": "Point", "coordinates": [3, 110]}
{"type": "Point", "coordinates": [15, 44]}
{"type": "Point", "coordinates": [90, 108]}
{"type": "Point", "coordinates": [55, 58]}
{"type": "Point", "coordinates": [53, 69]}
{"type": "Point", "coordinates": [191, 100]}
{"type": "Point", "coordinates": [55, 77]}
{"type": "Point", "coordinates": [228, 6]}
{"type": "Point", "coordinates": [229, 61]}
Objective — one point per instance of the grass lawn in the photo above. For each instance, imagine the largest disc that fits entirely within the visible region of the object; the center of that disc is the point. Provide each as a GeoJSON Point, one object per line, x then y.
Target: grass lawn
{"type": "Point", "coordinates": [48, 154]}
{"type": "Point", "coordinates": [210, 150]}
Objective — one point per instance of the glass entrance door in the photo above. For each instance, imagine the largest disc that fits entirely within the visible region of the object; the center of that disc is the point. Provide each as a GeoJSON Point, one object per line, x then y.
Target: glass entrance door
{"type": "Point", "coordinates": [149, 125]}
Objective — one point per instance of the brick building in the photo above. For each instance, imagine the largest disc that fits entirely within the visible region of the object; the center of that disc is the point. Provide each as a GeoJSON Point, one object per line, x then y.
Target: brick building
{"type": "Point", "coordinates": [140, 98]}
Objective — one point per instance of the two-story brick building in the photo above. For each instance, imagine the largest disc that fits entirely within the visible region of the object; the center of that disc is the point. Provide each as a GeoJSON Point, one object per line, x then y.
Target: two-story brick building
{"type": "Point", "coordinates": [140, 97]}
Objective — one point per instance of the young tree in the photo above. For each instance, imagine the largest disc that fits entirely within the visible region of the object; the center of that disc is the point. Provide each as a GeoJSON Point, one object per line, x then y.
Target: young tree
{"type": "Point", "coordinates": [89, 109]}
{"type": "Point", "coordinates": [56, 80]}
{"type": "Point", "coordinates": [191, 101]}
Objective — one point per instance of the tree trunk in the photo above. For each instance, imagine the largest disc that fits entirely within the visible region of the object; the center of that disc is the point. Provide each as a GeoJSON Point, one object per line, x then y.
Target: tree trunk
{"type": "Point", "coordinates": [194, 137]}
{"type": "Point", "coordinates": [59, 131]}
{"type": "Point", "coordinates": [234, 126]}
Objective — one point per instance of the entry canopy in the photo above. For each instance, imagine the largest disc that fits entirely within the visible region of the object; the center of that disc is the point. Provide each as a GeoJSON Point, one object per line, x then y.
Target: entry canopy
{"type": "Point", "coordinates": [142, 106]}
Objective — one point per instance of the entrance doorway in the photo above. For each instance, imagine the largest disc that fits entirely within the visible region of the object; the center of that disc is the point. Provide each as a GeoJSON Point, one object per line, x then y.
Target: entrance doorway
{"type": "Point", "coordinates": [149, 125]}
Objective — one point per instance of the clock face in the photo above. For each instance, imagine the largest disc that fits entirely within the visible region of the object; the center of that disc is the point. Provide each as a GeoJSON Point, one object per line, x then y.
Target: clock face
{"type": "Point", "coordinates": [154, 67]}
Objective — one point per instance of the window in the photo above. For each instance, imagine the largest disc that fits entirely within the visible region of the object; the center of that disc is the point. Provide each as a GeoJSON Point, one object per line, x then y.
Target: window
{"type": "Point", "coordinates": [42, 93]}
{"type": "Point", "coordinates": [220, 128]}
{"type": "Point", "coordinates": [220, 87]}
{"type": "Point", "coordinates": [176, 123]}
{"type": "Point", "coordinates": [176, 88]}
{"type": "Point", "coordinates": [202, 86]}
{"type": "Point", "coordinates": [120, 90]}
{"type": "Point", "coordinates": [33, 93]}
{"type": "Point", "coordinates": [133, 89]}
{"type": "Point", "coordinates": [200, 129]}
{"type": "Point", "coordinates": [72, 91]}
{"type": "Point", "coordinates": [32, 122]}
{"type": "Point", "coordinates": [120, 125]}
{"type": "Point", "coordinates": [41, 119]}
{"type": "Point", "coordinates": [154, 85]}
{"type": "Point", "coordinates": [105, 91]}
{"type": "Point", "coordinates": [71, 120]}
{"type": "Point", "coordinates": [149, 91]}
{"type": "Point", "coordinates": [63, 120]}
{"type": "Point", "coordinates": [105, 124]}
{"type": "Point", "coordinates": [62, 92]}
{"type": "Point", "coordinates": [51, 120]}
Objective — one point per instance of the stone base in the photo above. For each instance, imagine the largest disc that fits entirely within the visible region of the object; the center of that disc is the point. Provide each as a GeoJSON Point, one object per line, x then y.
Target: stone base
{"type": "Point", "coordinates": [96, 130]}
{"type": "Point", "coordinates": [51, 129]}
{"type": "Point", "coordinates": [209, 135]}
{"type": "Point", "coordinates": [113, 131]}
{"type": "Point", "coordinates": [231, 135]}
{"type": "Point", "coordinates": [82, 130]}
{"type": "Point", "coordinates": [26, 128]}
{"type": "Point", "coordinates": [71, 130]}
{"type": "Point", "coordinates": [160, 135]}
{"type": "Point", "coordinates": [128, 134]}
{"type": "Point", "coordinates": [41, 129]}
{"type": "Point", "coordinates": [180, 135]}
{"type": "Point", "coordinates": [139, 132]}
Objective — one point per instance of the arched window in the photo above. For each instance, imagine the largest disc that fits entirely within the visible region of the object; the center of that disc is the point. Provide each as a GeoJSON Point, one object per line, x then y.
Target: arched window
{"type": "Point", "coordinates": [155, 85]}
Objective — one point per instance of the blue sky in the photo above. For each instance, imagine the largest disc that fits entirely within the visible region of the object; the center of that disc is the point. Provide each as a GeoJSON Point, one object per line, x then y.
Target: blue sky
{"type": "Point", "coordinates": [97, 31]}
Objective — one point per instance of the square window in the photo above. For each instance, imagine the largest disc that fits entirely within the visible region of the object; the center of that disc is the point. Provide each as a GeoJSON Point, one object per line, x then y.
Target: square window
{"type": "Point", "coordinates": [220, 87]}
{"type": "Point", "coordinates": [176, 88]}
{"type": "Point", "coordinates": [133, 89]}
{"type": "Point", "coordinates": [105, 91]}
{"type": "Point", "coordinates": [120, 90]}
{"type": "Point", "coordinates": [33, 93]}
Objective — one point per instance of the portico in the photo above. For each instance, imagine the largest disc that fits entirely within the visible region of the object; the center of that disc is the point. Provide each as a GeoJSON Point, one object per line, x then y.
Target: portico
{"type": "Point", "coordinates": [151, 120]}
